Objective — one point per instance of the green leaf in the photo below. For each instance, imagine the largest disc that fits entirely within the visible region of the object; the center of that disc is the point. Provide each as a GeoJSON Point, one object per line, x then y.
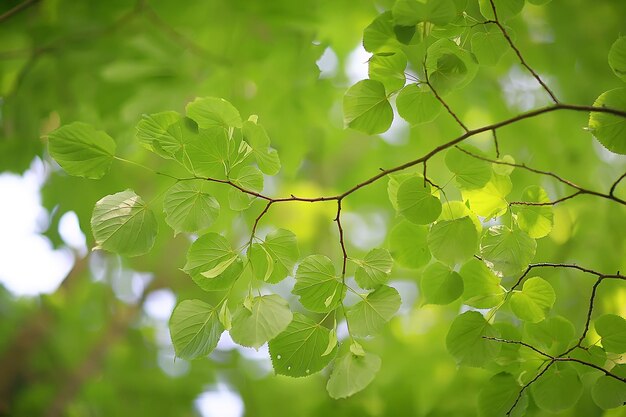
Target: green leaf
{"type": "Point", "coordinates": [554, 334]}
{"type": "Point", "coordinates": [482, 287]}
{"type": "Point", "coordinates": [489, 45]}
{"type": "Point", "coordinates": [189, 208]}
{"type": "Point", "coordinates": [388, 69]}
{"type": "Point", "coordinates": [379, 35]}
{"type": "Point", "coordinates": [609, 392]}
{"type": "Point", "coordinates": [609, 129]}
{"type": "Point", "coordinates": [212, 263]}
{"type": "Point", "coordinates": [195, 329]}
{"type": "Point", "coordinates": [440, 284]}
{"type": "Point", "coordinates": [465, 339]}
{"type": "Point", "coordinates": [510, 251]}
{"type": "Point", "coordinates": [505, 9]}
{"type": "Point", "coordinates": [452, 210]}
{"type": "Point", "coordinates": [416, 201]}
{"type": "Point", "coordinates": [470, 173]}
{"type": "Point", "coordinates": [213, 111]}
{"type": "Point", "coordinates": [412, 12]}
{"type": "Point", "coordinates": [261, 262]}
{"type": "Point", "coordinates": [558, 389]}
{"type": "Point", "coordinates": [449, 66]}
{"type": "Point", "coordinates": [612, 330]}
{"type": "Point", "coordinates": [534, 301]}
{"type": "Point", "coordinates": [238, 200]}
{"type": "Point", "coordinates": [123, 223]}
{"type": "Point", "coordinates": [352, 374]}
{"type": "Point", "coordinates": [81, 150]}
{"type": "Point", "coordinates": [266, 157]}
{"type": "Point", "coordinates": [374, 269]}
{"type": "Point", "coordinates": [453, 241]}
{"type": "Point", "coordinates": [317, 284]}
{"type": "Point", "coordinates": [408, 245]}
{"type": "Point", "coordinates": [499, 395]}
{"type": "Point", "coordinates": [490, 201]}
{"type": "Point", "coordinates": [282, 246]}
{"type": "Point", "coordinates": [394, 183]}
{"type": "Point", "coordinates": [617, 57]}
{"type": "Point", "coordinates": [368, 316]}
{"type": "Point", "coordinates": [249, 178]}
{"type": "Point", "coordinates": [366, 108]}
{"type": "Point", "coordinates": [153, 126]}
{"type": "Point", "coordinates": [268, 316]}
{"type": "Point", "coordinates": [504, 169]}
{"type": "Point", "coordinates": [536, 221]}
{"type": "Point", "coordinates": [299, 350]}
{"type": "Point", "coordinates": [417, 104]}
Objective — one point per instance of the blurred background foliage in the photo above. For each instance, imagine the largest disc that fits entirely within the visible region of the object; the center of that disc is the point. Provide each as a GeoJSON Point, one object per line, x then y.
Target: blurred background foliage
{"type": "Point", "coordinates": [96, 346]}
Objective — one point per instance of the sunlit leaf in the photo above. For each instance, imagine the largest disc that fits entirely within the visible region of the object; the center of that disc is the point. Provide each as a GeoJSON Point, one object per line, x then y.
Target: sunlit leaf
{"type": "Point", "coordinates": [482, 287]}
{"type": "Point", "coordinates": [299, 350]}
{"type": "Point", "coordinates": [195, 329]}
{"type": "Point", "coordinates": [416, 201]}
{"type": "Point", "coordinates": [558, 389]}
{"type": "Point", "coordinates": [366, 108]}
{"type": "Point", "coordinates": [612, 329]}
{"type": "Point", "coordinates": [317, 284]}
{"type": "Point", "coordinates": [536, 221]}
{"type": "Point", "coordinates": [213, 111]}
{"type": "Point", "coordinates": [610, 129]}
{"type": "Point", "coordinates": [440, 284]}
{"type": "Point", "coordinates": [369, 315]}
{"type": "Point", "coordinates": [268, 316]}
{"type": "Point", "coordinates": [466, 342]}
{"type": "Point", "coordinates": [373, 270]}
{"type": "Point", "coordinates": [534, 300]}
{"type": "Point", "coordinates": [508, 250]}
{"type": "Point", "coordinates": [453, 241]}
{"type": "Point", "coordinates": [123, 223]}
{"type": "Point", "coordinates": [408, 244]}
{"type": "Point", "coordinates": [417, 104]}
{"type": "Point", "coordinates": [82, 150]}
{"type": "Point", "coordinates": [189, 208]}
{"type": "Point", "coordinates": [352, 374]}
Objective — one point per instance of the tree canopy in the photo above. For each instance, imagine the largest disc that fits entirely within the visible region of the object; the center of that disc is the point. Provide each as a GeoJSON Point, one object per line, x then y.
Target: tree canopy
{"type": "Point", "coordinates": [409, 207]}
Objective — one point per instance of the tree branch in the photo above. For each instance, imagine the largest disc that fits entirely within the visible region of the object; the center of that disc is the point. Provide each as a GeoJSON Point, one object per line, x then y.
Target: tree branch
{"type": "Point", "coordinates": [20, 7]}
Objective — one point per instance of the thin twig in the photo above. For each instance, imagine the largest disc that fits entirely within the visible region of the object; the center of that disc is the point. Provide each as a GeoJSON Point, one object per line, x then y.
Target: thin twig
{"type": "Point", "coordinates": [12, 12]}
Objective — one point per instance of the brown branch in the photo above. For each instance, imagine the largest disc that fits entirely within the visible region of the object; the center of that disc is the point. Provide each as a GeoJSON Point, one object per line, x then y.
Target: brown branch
{"type": "Point", "coordinates": [495, 142]}
{"type": "Point", "coordinates": [617, 181]}
{"type": "Point", "coordinates": [15, 10]}
{"type": "Point", "coordinates": [342, 242]}
{"type": "Point", "coordinates": [496, 21]}
{"type": "Point", "coordinates": [441, 100]}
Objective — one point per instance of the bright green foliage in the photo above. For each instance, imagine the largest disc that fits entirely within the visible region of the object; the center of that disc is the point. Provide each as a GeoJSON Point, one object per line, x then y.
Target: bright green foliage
{"type": "Point", "coordinates": [366, 108]}
{"type": "Point", "coordinates": [123, 223]}
{"type": "Point", "coordinates": [266, 157]}
{"type": "Point", "coordinates": [379, 35]}
{"type": "Point", "coordinates": [317, 284]}
{"type": "Point", "coordinates": [274, 259]}
{"type": "Point", "coordinates": [482, 287]}
{"type": "Point", "coordinates": [265, 318]}
{"type": "Point", "coordinates": [416, 201]}
{"type": "Point", "coordinates": [300, 349]}
{"type": "Point", "coordinates": [466, 339]}
{"type": "Point", "coordinates": [211, 111]}
{"type": "Point", "coordinates": [535, 220]}
{"type": "Point", "coordinates": [488, 44]}
{"type": "Point", "coordinates": [510, 251]}
{"type": "Point", "coordinates": [498, 396]}
{"type": "Point", "coordinates": [449, 66]}
{"type": "Point", "coordinates": [612, 329]}
{"type": "Point", "coordinates": [152, 127]}
{"type": "Point", "coordinates": [189, 208]}
{"type": "Point", "coordinates": [470, 173]}
{"type": "Point", "coordinates": [553, 334]}
{"type": "Point", "coordinates": [212, 263]}
{"type": "Point", "coordinates": [490, 201]}
{"type": "Point", "coordinates": [374, 269]}
{"type": "Point", "coordinates": [617, 57]}
{"type": "Point", "coordinates": [608, 392]}
{"type": "Point", "coordinates": [195, 329]}
{"type": "Point", "coordinates": [417, 104]}
{"type": "Point", "coordinates": [510, 91]}
{"type": "Point", "coordinates": [369, 315]}
{"type": "Point", "coordinates": [388, 68]}
{"type": "Point", "coordinates": [558, 389]}
{"type": "Point", "coordinates": [82, 150]}
{"type": "Point", "coordinates": [351, 374]}
{"type": "Point", "coordinates": [452, 210]}
{"type": "Point", "coordinates": [440, 284]}
{"type": "Point", "coordinates": [534, 300]}
{"type": "Point", "coordinates": [408, 244]}
{"type": "Point", "coordinates": [505, 9]}
{"type": "Point", "coordinates": [411, 12]}
{"type": "Point", "coordinates": [610, 130]}
{"type": "Point", "coordinates": [453, 241]}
